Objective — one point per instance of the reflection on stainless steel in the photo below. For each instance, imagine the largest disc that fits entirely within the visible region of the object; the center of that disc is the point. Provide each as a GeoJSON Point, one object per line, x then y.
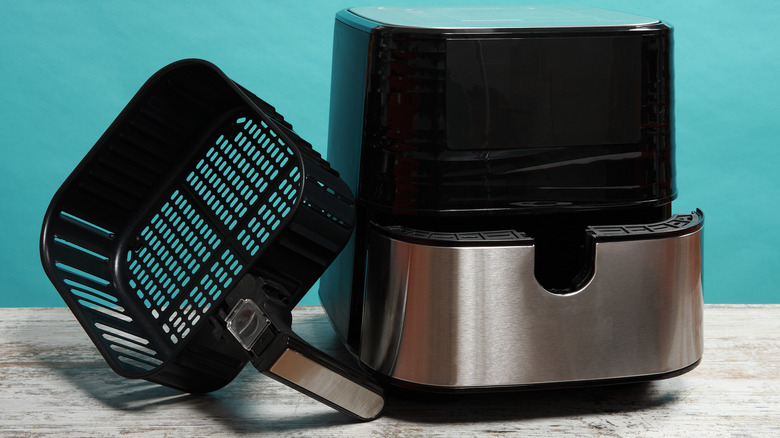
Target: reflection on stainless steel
{"type": "Point", "coordinates": [322, 381]}
{"type": "Point", "coordinates": [477, 317]}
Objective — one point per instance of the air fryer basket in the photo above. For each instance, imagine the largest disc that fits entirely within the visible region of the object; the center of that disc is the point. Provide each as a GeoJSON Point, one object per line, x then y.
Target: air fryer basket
{"type": "Point", "coordinates": [187, 234]}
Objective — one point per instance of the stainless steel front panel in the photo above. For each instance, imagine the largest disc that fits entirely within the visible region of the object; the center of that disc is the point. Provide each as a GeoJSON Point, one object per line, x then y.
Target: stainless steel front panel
{"type": "Point", "coordinates": [454, 316]}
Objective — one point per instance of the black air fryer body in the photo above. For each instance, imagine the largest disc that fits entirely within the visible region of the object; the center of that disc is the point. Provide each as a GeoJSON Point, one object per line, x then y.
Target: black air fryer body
{"type": "Point", "coordinates": [514, 174]}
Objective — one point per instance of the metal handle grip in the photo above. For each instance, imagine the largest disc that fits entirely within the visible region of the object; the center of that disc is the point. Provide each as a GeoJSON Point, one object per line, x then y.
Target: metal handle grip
{"type": "Point", "coordinates": [277, 352]}
{"type": "Point", "coordinates": [316, 374]}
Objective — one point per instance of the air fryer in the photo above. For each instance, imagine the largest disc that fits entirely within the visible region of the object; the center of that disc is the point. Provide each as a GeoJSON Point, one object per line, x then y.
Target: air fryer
{"type": "Point", "coordinates": [514, 176]}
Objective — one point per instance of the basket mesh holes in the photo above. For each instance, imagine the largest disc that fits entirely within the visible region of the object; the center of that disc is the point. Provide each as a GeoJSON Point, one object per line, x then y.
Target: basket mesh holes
{"type": "Point", "coordinates": [94, 300]}
{"type": "Point", "coordinates": [220, 276]}
{"type": "Point", "coordinates": [325, 213]}
{"type": "Point", "coordinates": [270, 214]}
{"type": "Point", "coordinates": [133, 354]}
{"type": "Point", "coordinates": [107, 311]}
{"type": "Point", "coordinates": [80, 248]}
{"type": "Point", "coordinates": [86, 289]}
{"type": "Point", "coordinates": [140, 348]}
{"type": "Point", "coordinates": [121, 333]}
{"type": "Point", "coordinates": [227, 180]}
{"type": "Point", "coordinates": [322, 211]}
{"type": "Point", "coordinates": [138, 364]}
{"type": "Point", "coordinates": [328, 189]}
{"type": "Point", "coordinates": [87, 225]}
{"type": "Point", "coordinates": [78, 272]}
{"type": "Point", "coordinates": [176, 244]}
{"type": "Point", "coordinates": [184, 246]}
{"type": "Point", "coordinates": [130, 349]}
{"type": "Point", "coordinates": [91, 296]}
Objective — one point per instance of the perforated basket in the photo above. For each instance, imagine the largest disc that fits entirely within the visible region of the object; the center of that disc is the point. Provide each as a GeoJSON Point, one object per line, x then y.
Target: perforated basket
{"type": "Point", "coordinates": [197, 184]}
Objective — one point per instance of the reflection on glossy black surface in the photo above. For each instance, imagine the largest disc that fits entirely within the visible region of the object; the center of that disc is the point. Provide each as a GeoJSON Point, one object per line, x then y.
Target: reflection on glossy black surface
{"type": "Point", "coordinates": [522, 92]}
{"type": "Point", "coordinates": [594, 150]}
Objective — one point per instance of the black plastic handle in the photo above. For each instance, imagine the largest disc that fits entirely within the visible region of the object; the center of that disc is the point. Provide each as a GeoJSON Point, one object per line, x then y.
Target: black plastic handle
{"type": "Point", "coordinates": [277, 352]}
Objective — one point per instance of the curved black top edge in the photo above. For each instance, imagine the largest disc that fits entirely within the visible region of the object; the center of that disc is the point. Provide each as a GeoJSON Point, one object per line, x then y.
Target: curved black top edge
{"type": "Point", "coordinates": [675, 226]}
{"type": "Point", "coordinates": [530, 208]}
{"type": "Point", "coordinates": [469, 238]}
{"type": "Point", "coordinates": [352, 18]}
{"type": "Point", "coordinates": [519, 31]}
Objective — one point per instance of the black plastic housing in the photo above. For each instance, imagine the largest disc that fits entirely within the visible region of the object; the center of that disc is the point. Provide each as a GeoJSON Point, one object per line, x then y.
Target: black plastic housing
{"type": "Point", "coordinates": [160, 221]}
{"type": "Point", "coordinates": [433, 147]}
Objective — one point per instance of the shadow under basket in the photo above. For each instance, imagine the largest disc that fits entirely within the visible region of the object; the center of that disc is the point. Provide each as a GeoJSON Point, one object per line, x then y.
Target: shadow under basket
{"type": "Point", "coordinates": [187, 234]}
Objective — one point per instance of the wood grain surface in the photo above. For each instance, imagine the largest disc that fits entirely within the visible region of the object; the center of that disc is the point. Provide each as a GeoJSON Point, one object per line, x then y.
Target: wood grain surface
{"type": "Point", "coordinates": [53, 382]}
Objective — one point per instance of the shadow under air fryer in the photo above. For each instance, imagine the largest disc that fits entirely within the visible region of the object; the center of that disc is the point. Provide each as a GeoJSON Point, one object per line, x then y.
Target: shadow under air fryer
{"type": "Point", "coordinates": [513, 170]}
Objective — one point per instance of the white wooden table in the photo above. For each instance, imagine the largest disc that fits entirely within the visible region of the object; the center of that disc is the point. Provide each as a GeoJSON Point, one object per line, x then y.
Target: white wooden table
{"type": "Point", "coordinates": [54, 382]}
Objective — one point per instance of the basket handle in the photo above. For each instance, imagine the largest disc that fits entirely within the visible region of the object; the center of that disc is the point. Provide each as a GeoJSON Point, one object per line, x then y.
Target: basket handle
{"type": "Point", "coordinates": [279, 353]}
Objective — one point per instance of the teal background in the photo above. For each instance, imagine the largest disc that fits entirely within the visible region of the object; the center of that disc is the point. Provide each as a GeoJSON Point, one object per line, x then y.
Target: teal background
{"type": "Point", "coordinates": [68, 68]}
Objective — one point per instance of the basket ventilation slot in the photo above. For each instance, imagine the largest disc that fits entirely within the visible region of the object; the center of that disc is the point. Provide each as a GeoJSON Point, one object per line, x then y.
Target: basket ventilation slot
{"type": "Point", "coordinates": [199, 243]}
{"type": "Point", "coordinates": [235, 173]}
{"type": "Point", "coordinates": [329, 190]}
{"type": "Point", "coordinates": [89, 289]}
{"type": "Point", "coordinates": [177, 243]}
{"type": "Point", "coordinates": [87, 225]}
{"type": "Point", "coordinates": [98, 300]}
{"type": "Point", "coordinates": [131, 349]}
{"type": "Point", "coordinates": [271, 213]}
